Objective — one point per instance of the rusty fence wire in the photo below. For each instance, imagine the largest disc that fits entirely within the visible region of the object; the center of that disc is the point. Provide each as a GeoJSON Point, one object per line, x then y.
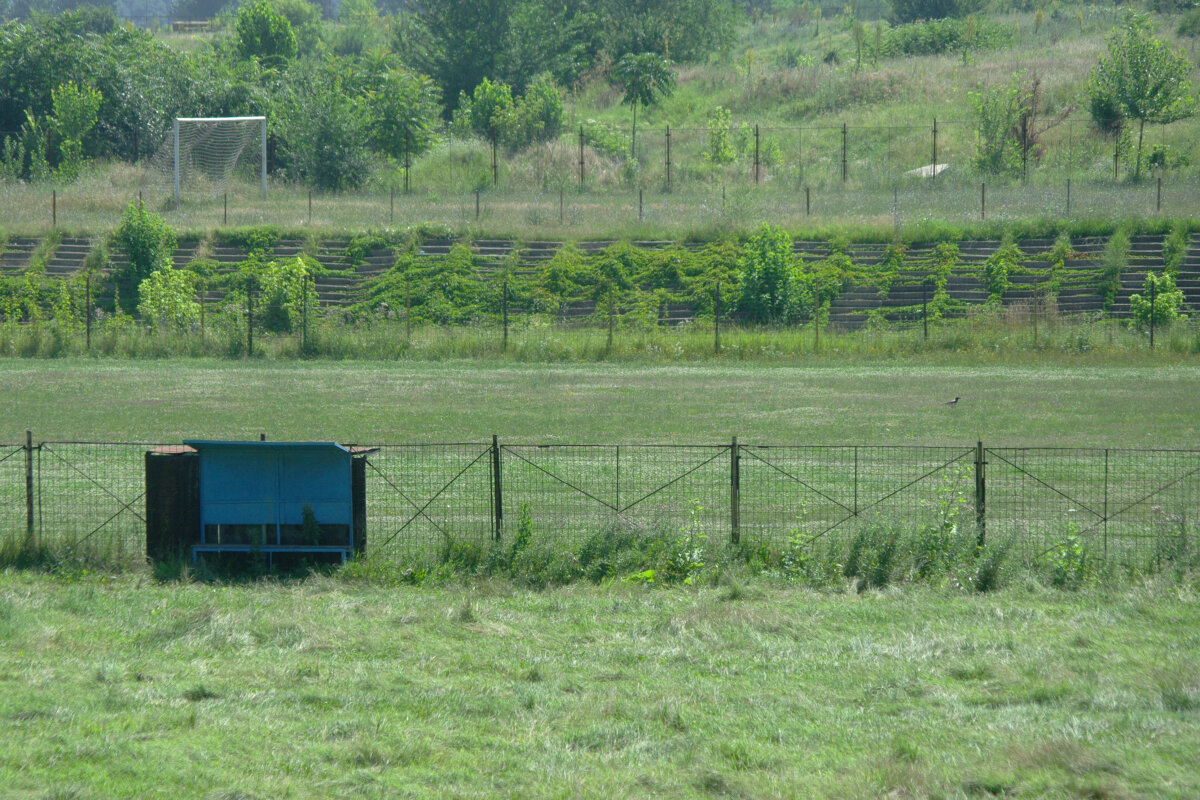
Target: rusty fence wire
{"type": "Point", "coordinates": [426, 502]}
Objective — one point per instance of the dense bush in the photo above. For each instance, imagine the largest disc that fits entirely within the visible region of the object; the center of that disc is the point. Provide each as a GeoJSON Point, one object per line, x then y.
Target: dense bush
{"type": "Point", "coordinates": [939, 36]}
{"type": "Point", "coordinates": [148, 243]}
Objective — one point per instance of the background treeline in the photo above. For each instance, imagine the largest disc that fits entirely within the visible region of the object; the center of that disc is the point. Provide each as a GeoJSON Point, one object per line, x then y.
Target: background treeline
{"type": "Point", "coordinates": [338, 97]}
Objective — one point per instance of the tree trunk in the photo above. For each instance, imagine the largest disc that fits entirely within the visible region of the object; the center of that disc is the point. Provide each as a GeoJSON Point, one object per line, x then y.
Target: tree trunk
{"type": "Point", "coordinates": [1137, 173]}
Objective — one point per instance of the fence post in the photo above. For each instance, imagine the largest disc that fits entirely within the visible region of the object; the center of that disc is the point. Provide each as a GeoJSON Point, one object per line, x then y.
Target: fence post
{"type": "Point", "coordinates": [581, 158]}
{"type": "Point", "coordinates": [87, 310]}
{"type": "Point", "coordinates": [934, 162]}
{"type": "Point", "coordinates": [1152, 286]}
{"type": "Point", "coordinates": [717, 320]}
{"type": "Point", "coordinates": [407, 160]}
{"type": "Point", "coordinates": [1158, 198]}
{"type": "Point", "coordinates": [310, 206]}
{"type": "Point", "coordinates": [497, 488]}
{"type": "Point", "coordinates": [29, 487]}
{"type": "Point", "coordinates": [504, 305]}
{"type": "Point", "coordinates": [249, 317]}
{"type": "Point", "coordinates": [807, 202]}
{"type": "Point", "coordinates": [54, 208]}
{"type": "Point", "coordinates": [612, 315]}
{"type": "Point", "coordinates": [225, 210]}
{"type": "Point", "coordinates": [925, 307]}
{"type": "Point", "coordinates": [477, 205]}
{"type": "Point", "coordinates": [843, 152]}
{"type": "Point", "coordinates": [735, 489]}
{"type": "Point", "coordinates": [304, 318]}
{"type": "Point", "coordinates": [560, 205]}
{"type": "Point", "coordinates": [391, 205]}
{"type": "Point", "coordinates": [983, 200]}
{"type": "Point", "coordinates": [495, 169]}
{"type": "Point", "coordinates": [980, 494]}
{"type": "Point", "coordinates": [407, 309]}
{"type": "Point", "coordinates": [1068, 195]}
{"type": "Point", "coordinates": [668, 158]}
{"type": "Point", "coordinates": [639, 205]}
{"type": "Point", "coordinates": [756, 162]}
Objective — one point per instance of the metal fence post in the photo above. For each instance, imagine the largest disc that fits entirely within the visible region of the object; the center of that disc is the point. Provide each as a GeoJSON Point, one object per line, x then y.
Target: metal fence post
{"type": "Point", "coordinates": [717, 319]}
{"type": "Point", "coordinates": [735, 490]}
{"type": "Point", "coordinates": [980, 494]}
{"type": "Point", "coordinates": [581, 157]}
{"type": "Point", "coordinates": [1153, 285]}
{"type": "Point", "coordinates": [497, 494]}
{"type": "Point", "coordinates": [756, 161]}
{"type": "Point", "coordinates": [668, 158]}
{"type": "Point", "coordinates": [843, 152]}
{"type": "Point", "coordinates": [504, 311]}
{"type": "Point", "coordinates": [28, 487]}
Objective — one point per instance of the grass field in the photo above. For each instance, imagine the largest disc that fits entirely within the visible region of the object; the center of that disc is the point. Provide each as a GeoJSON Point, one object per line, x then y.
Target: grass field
{"type": "Point", "coordinates": [1049, 402]}
{"type": "Point", "coordinates": [123, 687]}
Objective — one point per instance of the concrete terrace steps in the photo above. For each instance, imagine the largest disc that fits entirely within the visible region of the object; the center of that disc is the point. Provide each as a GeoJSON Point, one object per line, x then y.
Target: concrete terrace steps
{"type": "Point", "coordinates": [68, 257]}
{"type": "Point", "coordinates": [16, 254]}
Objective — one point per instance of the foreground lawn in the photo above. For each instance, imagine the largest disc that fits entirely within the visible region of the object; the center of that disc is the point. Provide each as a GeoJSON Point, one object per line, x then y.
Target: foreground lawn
{"type": "Point", "coordinates": [119, 686]}
{"type": "Point", "coordinates": [1050, 401]}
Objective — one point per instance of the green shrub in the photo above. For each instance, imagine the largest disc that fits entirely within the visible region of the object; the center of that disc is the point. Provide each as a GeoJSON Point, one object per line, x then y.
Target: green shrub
{"type": "Point", "coordinates": [770, 293]}
{"type": "Point", "coordinates": [1112, 263]}
{"type": "Point", "coordinates": [1167, 300]}
{"type": "Point", "coordinates": [264, 34]}
{"type": "Point", "coordinates": [872, 555]}
{"type": "Point", "coordinates": [167, 299]}
{"type": "Point", "coordinates": [148, 242]}
{"type": "Point", "coordinates": [939, 36]}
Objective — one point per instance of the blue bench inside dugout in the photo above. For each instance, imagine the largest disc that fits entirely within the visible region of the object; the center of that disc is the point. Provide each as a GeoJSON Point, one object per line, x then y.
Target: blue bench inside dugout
{"type": "Point", "coordinates": [256, 497]}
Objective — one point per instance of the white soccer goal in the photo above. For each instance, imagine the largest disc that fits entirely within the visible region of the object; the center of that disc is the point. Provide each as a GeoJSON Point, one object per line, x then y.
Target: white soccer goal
{"type": "Point", "coordinates": [201, 153]}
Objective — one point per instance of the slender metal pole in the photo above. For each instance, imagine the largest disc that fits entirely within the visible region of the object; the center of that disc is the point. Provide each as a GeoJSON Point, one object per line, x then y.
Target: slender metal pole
{"type": "Point", "coordinates": [497, 490]}
{"type": "Point", "coordinates": [668, 158]}
{"type": "Point", "coordinates": [581, 157]}
{"type": "Point", "coordinates": [175, 150]}
{"type": "Point", "coordinates": [980, 495]}
{"type": "Point", "coordinates": [504, 303]}
{"type": "Point", "coordinates": [925, 307]}
{"type": "Point", "coordinates": [560, 205]}
{"type": "Point", "coordinates": [87, 310]}
{"type": "Point", "coordinates": [304, 317]}
{"type": "Point", "coordinates": [391, 205]}
{"type": "Point", "coordinates": [225, 210]}
{"type": "Point", "coordinates": [476, 205]}
{"type": "Point", "coordinates": [717, 319]}
{"type": "Point", "coordinates": [1158, 199]}
{"type": "Point", "coordinates": [262, 135]}
{"type": "Point", "coordinates": [933, 174]}
{"type": "Point", "coordinates": [54, 208]}
{"type": "Point", "coordinates": [639, 205]}
{"type": "Point", "coordinates": [407, 309]}
{"type": "Point", "coordinates": [756, 161]}
{"type": "Point", "coordinates": [983, 200]}
{"type": "Point", "coordinates": [1068, 195]}
{"type": "Point", "coordinates": [844, 168]}
{"type": "Point", "coordinates": [310, 206]}
{"type": "Point", "coordinates": [735, 489]}
{"type": "Point", "coordinates": [495, 167]}
{"type": "Point", "coordinates": [1153, 284]}
{"type": "Point", "coordinates": [29, 487]}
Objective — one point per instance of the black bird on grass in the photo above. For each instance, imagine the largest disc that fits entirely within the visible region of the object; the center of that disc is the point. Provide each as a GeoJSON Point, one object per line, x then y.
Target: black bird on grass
{"type": "Point", "coordinates": [953, 402]}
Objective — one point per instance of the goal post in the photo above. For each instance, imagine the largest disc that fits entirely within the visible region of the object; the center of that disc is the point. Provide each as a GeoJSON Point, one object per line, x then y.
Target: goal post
{"type": "Point", "coordinates": [177, 168]}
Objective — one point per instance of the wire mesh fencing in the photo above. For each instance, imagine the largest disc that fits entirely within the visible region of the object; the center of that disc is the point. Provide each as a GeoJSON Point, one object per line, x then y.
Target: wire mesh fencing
{"type": "Point", "coordinates": [426, 503]}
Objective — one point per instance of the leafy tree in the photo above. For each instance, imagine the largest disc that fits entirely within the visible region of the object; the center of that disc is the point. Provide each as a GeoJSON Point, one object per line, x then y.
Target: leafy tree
{"type": "Point", "coordinates": [1189, 26]}
{"type": "Point", "coordinates": [264, 34]}
{"type": "Point", "coordinates": [167, 299]}
{"type": "Point", "coordinates": [404, 110]}
{"type": "Point", "coordinates": [467, 38]}
{"type": "Point", "coordinates": [913, 10]}
{"type": "Point", "coordinates": [488, 109]}
{"type": "Point", "coordinates": [148, 242]}
{"type": "Point", "coordinates": [74, 115]}
{"type": "Point", "coordinates": [281, 287]}
{"type": "Point", "coordinates": [645, 78]}
{"type": "Point", "coordinates": [770, 292]}
{"type": "Point", "coordinates": [720, 143]}
{"type": "Point", "coordinates": [1168, 299]}
{"type": "Point", "coordinates": [998, 112]}
{"type": "Point", "coordinates": [1140, 78]}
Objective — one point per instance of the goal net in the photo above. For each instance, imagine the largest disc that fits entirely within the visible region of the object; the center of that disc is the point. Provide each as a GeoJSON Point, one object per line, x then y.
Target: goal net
{"type": "Point", "coordinates": [202, 155]}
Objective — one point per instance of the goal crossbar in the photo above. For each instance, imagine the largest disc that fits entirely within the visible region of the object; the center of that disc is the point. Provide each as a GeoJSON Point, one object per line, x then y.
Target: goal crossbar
{"type": "Point", "coordinates": [262, 145]}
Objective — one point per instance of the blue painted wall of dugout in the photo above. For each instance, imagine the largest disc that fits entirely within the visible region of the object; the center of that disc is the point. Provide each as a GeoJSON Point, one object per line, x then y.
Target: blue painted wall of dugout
{"type": "Point", "coordinates": [246, 496]}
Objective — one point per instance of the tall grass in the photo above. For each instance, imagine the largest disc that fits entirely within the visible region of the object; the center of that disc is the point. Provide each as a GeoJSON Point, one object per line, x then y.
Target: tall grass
{"type": "Point", "coordinates": [1008, 335]}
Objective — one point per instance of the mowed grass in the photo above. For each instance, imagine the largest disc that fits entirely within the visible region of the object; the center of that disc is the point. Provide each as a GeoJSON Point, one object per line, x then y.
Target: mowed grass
{"type": "Point", "coordinates": [122, 687]}
{"type": "Point", "coordinates": [1050, 402]}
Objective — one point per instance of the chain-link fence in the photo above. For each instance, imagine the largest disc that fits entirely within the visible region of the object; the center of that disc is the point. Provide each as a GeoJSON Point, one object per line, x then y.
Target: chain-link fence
{"type": "Point", "coordinates": [427, 502]}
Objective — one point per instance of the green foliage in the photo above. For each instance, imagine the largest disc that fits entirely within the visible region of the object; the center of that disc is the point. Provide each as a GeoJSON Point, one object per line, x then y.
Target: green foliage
{"type": "Point", "coordinates": [282, 286]}
{"type": "Point", "coordinates": [1189, 24]}
{"type": "Point", "coordinates": [998, 112]}
{"type": "Point", "coordinates": [533, 117]}
{"type": "Point", "coordinates": [912, 10]}
{"type": "Point", "coordinates": [74, 116]}
{"type": "Point", "coordinates": [148, 242]}
{"type": "Point", "coordinates": [1069, 565]}
{"type": "Point", "coordinates": [326, 133]}
{"type": "Point", "coordinates": [770, 292]}
{"type": "Point", "coordinates": [403, 110]}
{"type": "Point", "coordinates": [1058, 255]}
{"type": "Point", "coordinates": [264, 34]}
{"type": "Point", "coordinates": [1140, 78]}
{"type": "Point", "coordinates": [997, 269]}
{"type": "Point", "coordinates": [872, 556]}
{"type": "Point", "coordinates": [939, 36]}
{"type": "Point", "coordinates": [167, 299]}
{"type": "Point", "coordinates": [644, 79]}
{"type": "Point", "coordinates": [720, 145]}
{"type": "Point", "coordinates": [1167, 302]}
{"type": "Point", "coordinates": [1175, 250]}
{"type": "Point", "coordinates": [1112, 263]}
